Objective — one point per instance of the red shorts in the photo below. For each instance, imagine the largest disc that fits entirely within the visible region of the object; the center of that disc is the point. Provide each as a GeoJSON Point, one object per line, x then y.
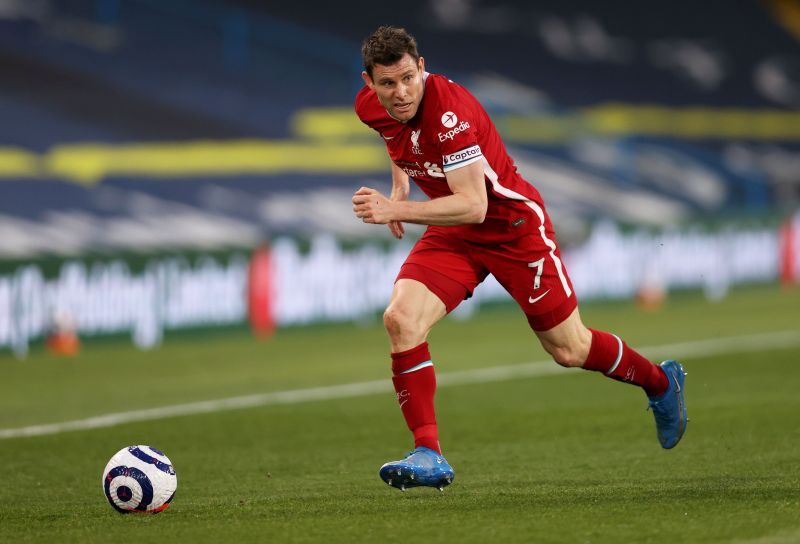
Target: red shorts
{"type": "Point", "coordinates": [529, 267]}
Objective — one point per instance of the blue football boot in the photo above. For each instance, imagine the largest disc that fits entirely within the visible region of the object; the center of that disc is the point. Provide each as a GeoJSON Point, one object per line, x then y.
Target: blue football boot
{"type": "Point", "coordinates": [421, 467]}
{"type": "Point", "coordinates": [669, 408]}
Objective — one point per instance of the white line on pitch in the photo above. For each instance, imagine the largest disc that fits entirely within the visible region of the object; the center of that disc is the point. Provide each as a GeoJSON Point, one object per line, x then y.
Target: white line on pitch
{"type": "Point", "coordinates": [697, 348]}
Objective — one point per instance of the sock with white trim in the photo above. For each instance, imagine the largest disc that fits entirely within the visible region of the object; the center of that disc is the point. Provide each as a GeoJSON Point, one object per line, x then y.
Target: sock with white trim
{"type": "Point", "coordinates": [415, 383]}
{"type": "Point", "coordinates": [611, 356]}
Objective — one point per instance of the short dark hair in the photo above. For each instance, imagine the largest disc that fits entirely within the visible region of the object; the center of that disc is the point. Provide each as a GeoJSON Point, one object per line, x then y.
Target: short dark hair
{"type": "Point", "coordinates": [386, 46]}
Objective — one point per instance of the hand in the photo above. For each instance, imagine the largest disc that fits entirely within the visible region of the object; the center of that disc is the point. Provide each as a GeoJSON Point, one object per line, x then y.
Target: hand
{"type": "Point", "coordinates": [397, 229]}
{"type": "Point", "coordinates": [371, 206]}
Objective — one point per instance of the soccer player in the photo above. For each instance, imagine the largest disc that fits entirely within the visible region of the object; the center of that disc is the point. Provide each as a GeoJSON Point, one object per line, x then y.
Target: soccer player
{"type": "Point", "coordinates": [482, 218]}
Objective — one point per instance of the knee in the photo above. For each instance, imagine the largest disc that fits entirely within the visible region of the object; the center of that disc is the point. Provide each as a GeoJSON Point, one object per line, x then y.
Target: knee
{"type": "Point", "coordinates": [569, 343]}
{"type": "Point", "coordinates": [567, 356]}
{"type": "Point", "coordinates": [400, 323]}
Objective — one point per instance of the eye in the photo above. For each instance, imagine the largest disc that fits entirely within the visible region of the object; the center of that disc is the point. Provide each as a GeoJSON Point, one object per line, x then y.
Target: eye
{"type": "Point", "coordinates": [407, 78]}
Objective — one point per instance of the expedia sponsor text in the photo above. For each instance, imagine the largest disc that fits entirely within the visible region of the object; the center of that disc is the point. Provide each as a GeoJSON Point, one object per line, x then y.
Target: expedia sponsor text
{"type": "Point", "coordinates": [450, 134]}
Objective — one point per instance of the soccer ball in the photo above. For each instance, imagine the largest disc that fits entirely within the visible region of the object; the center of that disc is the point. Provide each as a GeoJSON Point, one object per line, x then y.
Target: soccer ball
{"type": "Point", "coordinates": [139, 479]}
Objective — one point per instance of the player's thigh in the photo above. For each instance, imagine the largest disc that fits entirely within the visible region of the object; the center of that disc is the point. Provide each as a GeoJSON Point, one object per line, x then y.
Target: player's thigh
{"type": "Point", "coordinates": [445, 266]}
{"type": "Point", "coordinates": [532, 271]}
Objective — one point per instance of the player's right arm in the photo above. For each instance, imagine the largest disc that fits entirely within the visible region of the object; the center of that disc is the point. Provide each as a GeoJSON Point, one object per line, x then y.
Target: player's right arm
{"type": "Point", "coordinates": [467, 204]}
{"type": "Point", "coordinates": [400, 191]}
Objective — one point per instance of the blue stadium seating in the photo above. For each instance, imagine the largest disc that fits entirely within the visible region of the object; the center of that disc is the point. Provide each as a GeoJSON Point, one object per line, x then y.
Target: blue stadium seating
{"type": "Point", "coordinates": [119, 73]}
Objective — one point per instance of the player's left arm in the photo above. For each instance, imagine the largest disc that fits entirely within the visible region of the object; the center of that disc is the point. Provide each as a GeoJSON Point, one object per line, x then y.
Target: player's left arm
{"type": "Point", "coordinates": [466, 205]}
{"type": "Point", "coordinates": [400, 190]}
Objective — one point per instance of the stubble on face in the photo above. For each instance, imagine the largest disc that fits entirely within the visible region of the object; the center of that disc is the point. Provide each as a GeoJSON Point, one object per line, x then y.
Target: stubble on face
{"type": "Point", "coordinates": [399, 87]}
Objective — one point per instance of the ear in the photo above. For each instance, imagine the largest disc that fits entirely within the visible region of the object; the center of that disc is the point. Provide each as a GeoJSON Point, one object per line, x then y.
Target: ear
{"type": "Point", "coordinates": [422, 64]}
{"type": "Point", "coordinates": [367, 80]}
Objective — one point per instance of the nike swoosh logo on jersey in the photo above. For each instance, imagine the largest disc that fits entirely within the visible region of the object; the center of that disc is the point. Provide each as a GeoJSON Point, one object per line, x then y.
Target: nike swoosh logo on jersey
{"type": "Point", "coordinates": [387, 137]}
{"type": "Point", "coordinates": [537, 299]}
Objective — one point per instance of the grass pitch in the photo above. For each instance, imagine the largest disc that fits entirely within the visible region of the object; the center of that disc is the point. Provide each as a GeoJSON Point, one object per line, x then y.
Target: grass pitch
{"type": "Point", "coordinates": [570, 457]}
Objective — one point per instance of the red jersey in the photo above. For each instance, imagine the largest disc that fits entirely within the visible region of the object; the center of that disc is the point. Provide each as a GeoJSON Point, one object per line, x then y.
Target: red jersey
{"type": "Point", "coordinates": [450, 130]}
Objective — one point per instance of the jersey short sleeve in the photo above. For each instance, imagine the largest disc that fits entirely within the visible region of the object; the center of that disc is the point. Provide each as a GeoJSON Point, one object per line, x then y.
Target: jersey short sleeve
{"type": "Point", "coordinates": [454, 115]}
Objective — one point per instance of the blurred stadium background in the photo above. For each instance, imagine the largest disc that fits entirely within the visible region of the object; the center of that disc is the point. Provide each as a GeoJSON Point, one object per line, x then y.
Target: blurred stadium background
{"type": "Point", "coordinates": [148, 147]}
{"type": "Point", "coordinates": [176, 173]}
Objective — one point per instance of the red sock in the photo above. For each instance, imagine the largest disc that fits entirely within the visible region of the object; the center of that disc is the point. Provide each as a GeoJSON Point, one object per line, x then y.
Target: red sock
{"type": "Point", "coordinates": [415, 383]}
{"type": "Point", "coordinates": [610, 355]}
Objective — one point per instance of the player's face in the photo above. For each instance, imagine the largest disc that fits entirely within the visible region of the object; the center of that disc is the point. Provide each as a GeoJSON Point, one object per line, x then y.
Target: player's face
{"type": "Point", "coordinates": [399, 86]}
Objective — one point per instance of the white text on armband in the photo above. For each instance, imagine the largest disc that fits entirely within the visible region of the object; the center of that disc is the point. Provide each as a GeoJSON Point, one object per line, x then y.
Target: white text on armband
{"type": "Point", "coordinates": [462, 158]}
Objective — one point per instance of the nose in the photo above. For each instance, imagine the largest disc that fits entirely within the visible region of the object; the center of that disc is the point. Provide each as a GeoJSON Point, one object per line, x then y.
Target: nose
{"type": "Point", "coordinates": [401, 91]}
